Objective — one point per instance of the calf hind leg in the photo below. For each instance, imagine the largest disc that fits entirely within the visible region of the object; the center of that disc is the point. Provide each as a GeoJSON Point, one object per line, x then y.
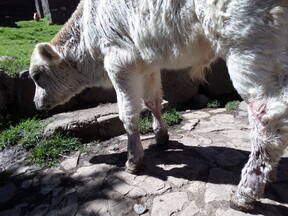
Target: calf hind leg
{"type": "Point", "coordinates": [267, 147]}
{"type": "Point", "coordinates": [153, 99]}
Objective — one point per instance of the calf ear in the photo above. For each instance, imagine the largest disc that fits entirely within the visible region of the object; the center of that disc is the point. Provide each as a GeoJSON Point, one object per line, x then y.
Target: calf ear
{"type": "Point", "coordinates": [47, 52]}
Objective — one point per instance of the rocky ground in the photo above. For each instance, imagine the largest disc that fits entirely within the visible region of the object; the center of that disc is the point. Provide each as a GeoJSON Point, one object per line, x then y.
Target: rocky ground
{"type": "Point", "coordinates": [194, 175]}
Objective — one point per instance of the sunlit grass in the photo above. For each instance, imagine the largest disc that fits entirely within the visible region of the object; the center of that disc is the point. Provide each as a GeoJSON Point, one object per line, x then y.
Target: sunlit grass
{"type": "Point", "coordinates": [19, 42]}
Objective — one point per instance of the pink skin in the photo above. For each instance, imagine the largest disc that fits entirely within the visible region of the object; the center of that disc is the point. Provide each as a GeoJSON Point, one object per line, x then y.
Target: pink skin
{"type": "Point", "coordinates": [258, 109]}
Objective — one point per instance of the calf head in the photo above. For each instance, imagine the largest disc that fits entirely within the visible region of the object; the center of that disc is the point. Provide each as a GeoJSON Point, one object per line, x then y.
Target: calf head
{"type": "Point", "coordinates": [55, 79]}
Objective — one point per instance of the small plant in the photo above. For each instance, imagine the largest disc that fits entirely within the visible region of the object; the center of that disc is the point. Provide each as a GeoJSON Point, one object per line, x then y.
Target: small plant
{"type": "Point", "coordinates": [26, 133]}
{"type": "Point", "coordinates": [232, 105]}
{"type": "Point", "coordinates": [145, 123]}
{"type": "Point", "coordinates": [213, 104]}
{"type": "Point", "coordinates": [46, 152]}
{"type": "Point", "coordinates": [170, 115]}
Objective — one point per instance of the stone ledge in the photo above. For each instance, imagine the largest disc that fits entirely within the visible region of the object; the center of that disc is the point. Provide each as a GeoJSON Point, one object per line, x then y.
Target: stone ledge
{"type": "Point", "coordinates": [101, 122]}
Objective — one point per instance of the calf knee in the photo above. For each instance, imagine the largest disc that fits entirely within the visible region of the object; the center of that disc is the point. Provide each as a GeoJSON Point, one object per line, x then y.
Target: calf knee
{"type": "Point", "coordinates": [268, 113]}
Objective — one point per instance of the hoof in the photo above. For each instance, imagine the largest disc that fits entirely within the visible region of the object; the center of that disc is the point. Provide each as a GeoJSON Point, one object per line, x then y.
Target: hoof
{"type": "Point", "coordinates": [242, 203]}
{"type": "Point", "coordinates": [134, 168]}
{"type": "Point", "coordinates": [162, 137]}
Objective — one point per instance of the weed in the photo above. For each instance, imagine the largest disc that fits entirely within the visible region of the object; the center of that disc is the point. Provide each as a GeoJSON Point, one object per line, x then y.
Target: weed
{"type": "Point", "coordinates": [213, 104]}
{"type": "Point", "coordinates": [44, 151]}
{"type": "Point", "coordinates": [232, 105]}
{"type": "Point", "coordinates": [145, 123]}
{"type": "Point", "coordinates": [48, 151]}
{"type": "Point", "coordinates": [26, 133]}
{"type": "Point", "coordinates": [170, 115]}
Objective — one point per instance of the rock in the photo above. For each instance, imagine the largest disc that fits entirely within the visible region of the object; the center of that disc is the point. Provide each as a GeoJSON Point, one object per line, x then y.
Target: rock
{"type": "Point", "coordinates": [71, 162]}
{"type": "Point", "coordinates": [39, 210]}
{"type": "Point", "coordinates": [69, 205]}
{"type": "Point", "coordinates": [139, 209]}
{"type": "Point", "coordinates": [197, 188]}
{"type": "Point", "coordinates": [52, 176]}
{"type": "Point", "coordinates": [11, 158]}
{"type": "Point", "coordinates": [232, 212]}
{"type": "Point", "coordinates": [190, 125]}
{"type": "Point", "coordinates": [243, 114]}
{"type": "Point", "coordinates": [96, 172]}
{"type": "Point", "coordinates": [195, 115]}
{"type": "Point", "coordinates": [178, 182]}
{"type": "Point", "coordinates": [219, 185]}
{"type": "Point", "coordinates": [16, 211]}
{"type": "Point", "coordinates": [223, 118]}
{"type": "Point", "coordinates": [125, 189]}
{"type": "Point", "coordinates": [6, 90]}
{"type": "Point", "coordinates": [151, 185]}
{"type": "Point", "coordinates": [200, 100]}
{"type": "Point", "coordinates": [216, 111]}
{"type": "Point", "coordinates": [99, 122]}
{"type": "Point", "coordinates": [24, 91]}
{"type": "Point", "coordinates": [95, 207]}
{"type": "Point", "coordinates": [243, 106]}
{"type": "Point", "coordinates": [230, 158]}
{"type": "Point", "coordinates": [218, 81]}
{"type": "Point", "coordinates": [120, 207]}
{"type": "Point", "coordinates": [26, 184]}
{"type": "Point", "coordinates": [178, 86]}
{"type": "Point", "coordinates": [58, 197]}
{"type": "Point", "coordinates": [190, 210]}
{"type": "Point", "coordinates": [169, 204]}
{"type": "Point", "coordinates": [7, 192]}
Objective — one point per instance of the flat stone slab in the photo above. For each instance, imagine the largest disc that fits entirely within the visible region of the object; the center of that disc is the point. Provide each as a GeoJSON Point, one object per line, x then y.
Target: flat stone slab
{"type": "Point", "coordinates": [96, 123]}
{"type": "Point", "coordinates": [194, 175]}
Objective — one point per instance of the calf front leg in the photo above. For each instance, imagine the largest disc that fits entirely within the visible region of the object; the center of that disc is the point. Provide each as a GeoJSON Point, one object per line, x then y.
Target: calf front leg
{"type": "Point", "coordinates": [128, 86]}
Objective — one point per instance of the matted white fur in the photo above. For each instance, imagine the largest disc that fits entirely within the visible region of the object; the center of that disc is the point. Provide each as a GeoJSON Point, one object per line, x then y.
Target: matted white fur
{"type": "Point", "coordinates": [134, 39]}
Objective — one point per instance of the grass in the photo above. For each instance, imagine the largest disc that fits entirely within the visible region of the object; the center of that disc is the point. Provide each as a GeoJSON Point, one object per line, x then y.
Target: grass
{"type": "Point", "coordinates": [170, 115]}
{"type": "Point", "coordinates": [44, 151]}
{"type": "Point", "coordinates": [232, 105]}
{"type": "Point", "coordinates": [48, 152]}
{"type": "Point", "coordinates": [19, 42]}
{"type": "Point", "coordinates": [213, 104]}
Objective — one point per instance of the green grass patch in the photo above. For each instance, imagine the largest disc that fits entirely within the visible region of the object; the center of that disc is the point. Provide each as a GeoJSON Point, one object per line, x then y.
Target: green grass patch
{"type": "Point", "coordinates": [26, 133]}
{"type": "Point", "coordinates": [232, 105]}
{"type": "Point", "coordinates": [213, 104]}
{"type": "Point", "coordinates": [170, 115]}
{"type": "Point", "coordinates": [48, 152]}
{"type": "Point", "coordinates": [19, 42]}
{"type": "Point", "coordinates": [145, 123]}
{"type": "Point", "coordinates": [44, 151]}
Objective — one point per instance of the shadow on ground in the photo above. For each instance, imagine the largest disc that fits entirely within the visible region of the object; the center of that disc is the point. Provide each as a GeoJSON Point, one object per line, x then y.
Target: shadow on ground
{"type": "Point", "coordinates": [211, 164]}
{"type": "Point", "coordinates": [51, 193]}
